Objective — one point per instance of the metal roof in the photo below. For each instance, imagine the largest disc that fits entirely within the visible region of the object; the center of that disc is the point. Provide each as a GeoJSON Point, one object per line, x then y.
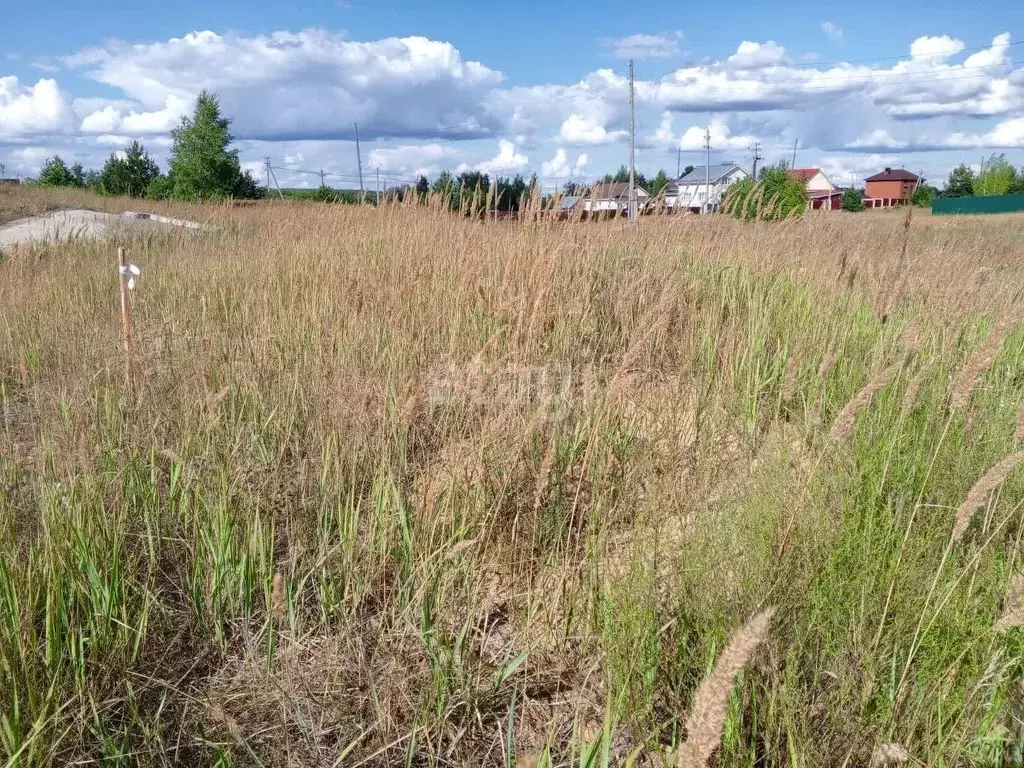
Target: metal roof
{"type": "Point", "coordinates": [715, 173]}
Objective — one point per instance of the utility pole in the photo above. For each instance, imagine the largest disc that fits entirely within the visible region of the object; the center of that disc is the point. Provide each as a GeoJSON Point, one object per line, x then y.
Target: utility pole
{"type": "Point", "coordinates": [707, 170]}
{"type": "Point", "coordinates": [271, 172]}
{"type": "Point", "coordinates": [2, 169]}
{"type": "Point", "coordinates": [378, 186]}
{"type": "Point", "coordinates": [679, 157]}
{"type": "Point", "coordinates": [322, 182]}
{"type": "Point", "coordinates": [756, 149]}
{"type": "Point", "coordinates": [632, 152]}
{"type": "Point", "coordinates": [266, 162]}
{"type": "Point", "coordinates": [796, 143]}
{"type": "Point", "coordinates": [359, 161]}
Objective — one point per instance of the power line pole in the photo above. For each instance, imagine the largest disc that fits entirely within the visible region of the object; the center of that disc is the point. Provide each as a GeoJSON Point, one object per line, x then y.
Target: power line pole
{"type": "Point", "coordinates": [322, 182]}
{"type": "Point", "coordinates": [679, 157]}
{"type": "Point", "coordinates": [359, 160]}
{"type": "Point", "coordinates": [757, 157]}
{"type": "Point", "coordinates": [279, 192]}
{"type": "Point", "coordinates": [266, 162]}
{"type": "Point", "coordinates": [2, 169]}
{"type": "Point", "coordinates": [796, 143]}
{"type": "Point", "coordinates": [632, 152]}
{"type": "Point", "coordinates": [378, 185]}
{"type": "Point", "coordinates": [707, 170]}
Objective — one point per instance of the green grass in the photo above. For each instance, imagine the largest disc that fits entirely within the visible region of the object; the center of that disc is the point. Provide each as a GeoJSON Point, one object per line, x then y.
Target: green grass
{"type": "Point", "coordinates": [277, 547]}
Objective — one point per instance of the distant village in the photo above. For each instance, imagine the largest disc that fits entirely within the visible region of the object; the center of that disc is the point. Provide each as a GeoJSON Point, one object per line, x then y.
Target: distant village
{"type": "Point", "coordinates": [702, 189]}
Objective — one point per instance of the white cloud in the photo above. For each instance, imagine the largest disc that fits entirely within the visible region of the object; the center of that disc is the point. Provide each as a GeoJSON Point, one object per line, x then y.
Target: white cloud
{"type": "Point", "coordinates": [641, 46]}
{"type": "Point", "coordinates": [26, 110]}
{"type": "Point", "coordinates": [876, 139]}
{"type": "Point", "coordinates": [413, 159]}
{"type": "Point", "coordinates": [507, 160]}
{"type": "Point", "coordinates": [559, 166]}
{"type": "Point", "coordinates": [1008, 134]}
{"type": "Point", "coordinates": [751, 55]}
{"type": "Point", "coordinates": [309, 84]}
{"type": "Point", "coordinates": [693, 137]}
{"type": "Point", "coordinates": [577, 129]}
{"type": "Point", "coordinates": [938, 48]}
{"type": "Point", "coordinates": [832, 30]}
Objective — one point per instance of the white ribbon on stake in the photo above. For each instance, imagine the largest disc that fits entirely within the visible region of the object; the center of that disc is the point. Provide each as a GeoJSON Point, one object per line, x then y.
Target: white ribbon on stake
{"type": "Point", "coordinates": [131, 272]}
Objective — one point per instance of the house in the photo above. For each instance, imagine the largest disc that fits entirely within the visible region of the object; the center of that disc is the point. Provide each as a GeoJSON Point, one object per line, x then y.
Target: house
{"type": "Point", "coordinates": [890, 187]}
{"type": "Point", "coordinates": [614, 197]}
{"type": "Point", "coordinates": [702, 188]}
{"type": "Point", "coordinates": [821, 193]}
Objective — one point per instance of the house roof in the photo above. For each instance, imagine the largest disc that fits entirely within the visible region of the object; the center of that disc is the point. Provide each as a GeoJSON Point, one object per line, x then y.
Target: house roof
{"type": "Point", "coordinates": [618, 190]}
{"type": "Point", "coordinates": [569, 202]}
{"type": "Point", "coordinates": [804, 173]}
{"type": "Point", "coordinates": [890, 174]}
{"type": "Point", "coordinates": [713, 173]}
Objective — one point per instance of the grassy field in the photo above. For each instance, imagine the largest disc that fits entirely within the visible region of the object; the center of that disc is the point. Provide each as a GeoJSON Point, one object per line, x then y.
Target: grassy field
{"type": "Point", "coordinates": [389, 487]}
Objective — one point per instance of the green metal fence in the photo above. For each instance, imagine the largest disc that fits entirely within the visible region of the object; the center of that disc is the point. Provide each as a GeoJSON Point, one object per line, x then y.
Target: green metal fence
{"type": "Point", "coordinates": [990, 204]}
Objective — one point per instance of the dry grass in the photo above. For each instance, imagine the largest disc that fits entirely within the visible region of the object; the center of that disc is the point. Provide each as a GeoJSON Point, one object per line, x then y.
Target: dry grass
{"type": "Point", "coordinates": [396, 487]}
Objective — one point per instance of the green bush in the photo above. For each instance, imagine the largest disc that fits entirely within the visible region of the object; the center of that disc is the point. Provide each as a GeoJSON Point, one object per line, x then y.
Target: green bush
{"type": "Point", "coordinates": [853, 200]}
{"type": "Point", "coordinates": [775, 196]}
{"type": "Point", "coordinates": [160, 188]}
{"type": "Point", "coordinates": [924, 196]}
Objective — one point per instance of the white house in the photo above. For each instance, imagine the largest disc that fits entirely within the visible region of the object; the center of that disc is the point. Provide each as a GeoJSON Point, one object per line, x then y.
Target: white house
{"type": "Point", "coordinates": [821, 193]}
{"type": "Point", "coordinates": [613, 197]}
{"type": "Point", "coordinates": [702, 188]}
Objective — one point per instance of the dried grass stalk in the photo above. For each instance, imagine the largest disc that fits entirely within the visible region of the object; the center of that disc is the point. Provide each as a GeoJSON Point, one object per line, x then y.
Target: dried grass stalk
{"type": "Point", "coordinates": [910, 397]}
{"type": "Point", "coordinates": [707, 717]}
{"type": "Point", "coordinates": [844, 421]}
{"type": "Point", "coordinates": [789, 384]}
{"type": "Point", "coordinates": [889, 754]}
{"type": "Point", "coordinates": [979, 493]}
{"type": "Point", "coordinates": [977, 364]}
{"type": "Point", "coordinates": [1013, 613]}
{"type": "Point", "coordinates": [1019, 433]}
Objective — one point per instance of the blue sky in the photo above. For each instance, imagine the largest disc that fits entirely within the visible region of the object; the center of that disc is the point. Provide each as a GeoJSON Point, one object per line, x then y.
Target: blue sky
{"type": "Point", "coordinates": [534, 88]}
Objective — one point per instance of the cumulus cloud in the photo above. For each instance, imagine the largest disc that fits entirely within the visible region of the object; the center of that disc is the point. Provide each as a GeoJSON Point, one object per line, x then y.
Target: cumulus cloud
{"type": "Point", "coordinates": [577, 129]}
{"type": "Point", "coordinates": [559, 165]}
{"type": "Point", "coordinates": [307, 84]}
{"type": "Point", "coordinates": [832, 30]}
{"type": "Point", "coordinates": [693, 137]}
{"type": "Point", "coordinates": [641, 46]}
{"type": "Point", "coordinates": [508, 160]}
{"type": "Point", "coordinates": [937, 48]}
{"type": "Point", "coordinates": [751, 55]}
{"type": "Point", "coordinates": [414, 159]}
{"type": "Point", "coordinates": [26, 110]}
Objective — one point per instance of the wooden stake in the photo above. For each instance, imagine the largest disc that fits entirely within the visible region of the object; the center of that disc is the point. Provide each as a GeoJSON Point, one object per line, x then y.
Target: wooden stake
{"type": "Point", "coordinates": [126, 316]}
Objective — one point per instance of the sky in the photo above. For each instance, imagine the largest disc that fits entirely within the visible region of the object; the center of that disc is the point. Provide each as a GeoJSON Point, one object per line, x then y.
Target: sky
{"type": "Point", "coordinates": [528, 88]}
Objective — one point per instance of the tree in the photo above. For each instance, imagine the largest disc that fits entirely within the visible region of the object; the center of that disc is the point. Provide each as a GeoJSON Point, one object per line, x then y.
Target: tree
{"type": "Point", "coordinates": [55, 173]}
{"type": "Point", "coordinates": [960, 182]}
{"type": "Point", "coordinates": [853, 200]}
{"type": "Point", "coordinates": [422, 188]}
{"type": "Point", "coordinates": [775, 195]}
{"type": "Point", "coordinates": [160, 188]}
{"type": "Point", "coordinates": [1017, 187]}
{"type": "Point", "coordinates": [687, 169]}
{"type": "Point", "coordinates": [924, 196]}
{"type": "Point", "coordinates": [202, 166]}
{"type": "Point", "coordinates": [996, 177]}
{"type": "Point", "coordinates": [658, 183]}
{"type": "Point", "coordinates": [622, 175]}
{"type": "Point", "coordinates": [129, 175]}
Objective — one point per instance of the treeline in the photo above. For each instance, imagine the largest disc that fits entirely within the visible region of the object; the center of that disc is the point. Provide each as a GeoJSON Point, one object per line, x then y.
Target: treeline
{"type": "Point", "coordinates": [997, 176]}
{"type": "Point", "coordinates": [202, 166]}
